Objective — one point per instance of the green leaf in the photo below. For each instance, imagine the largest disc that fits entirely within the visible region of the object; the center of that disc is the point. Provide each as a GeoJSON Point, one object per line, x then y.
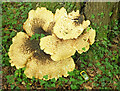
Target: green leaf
{"type": "Point", "coordinates": [1, 72]}
{"type": "Point", "coordinates": [33, 78]}
{"type": "Point", "coordinates": [79, 77]}
{"type": "Point", "coordinates": [66, 80]}
{"type": "Point", "coordinates": [22, 7]}
{"type": "Point", "coordinates": [46, 85]}
{"type": "Point", "coordinates": [52, 85]}
{"type": "Point", "coordinates": [42, 35]}
{"type": "Point", "coordinates": [73, 86]}
{"type": "Point", "coordinates": [102, 14]}
{"type": "Point", "coordinates": [105, 26]}
{"type": "Point", "coordinates": [82, 65]}
{"type": "Point", "coordinates": [88, 29]}
{"type": "Point", "coordinates": [106, 59]}
{"type": "Point", "coordinates": [28, 86]}
{"type": "Point", "coordinates": [46, 76]}
{"type": "Point", "coordinates": [102, 79]}
{"type": "Point", "coordinates": [110, 14]}
{"type": "Point", "coordinates": [42, 82]}
{"type": "Point", "coordinates": [23, 69]}
{"type": "Point", "coordinates": [116, 22]}
{"type": "Point", "coordinates": [90, 64]}
{"type": "Point", "coordinates": [98, 64]}
{"type": "Point", "coordinates": [53, 80]}
{"type": "Point", "coordinates": [98, 75]}
{"type": "Point", "coordinates": [12, 86]}
{"type": "Point", "coordinates": [17, 87]}
{"type": "Point", "coordinates": [94, 84]}
{"type": "Point", "coordinates": [92, 16]}
{"type": "Point", "coordinates": [116, 27]}
{"type": "Point", "coordinates": [83, 48]}
{"type": "Point", "coordinates": [102, 68]}
{"type": "Point", "coordinates": [33, 37]}
{"type": "Point", "coordinates": [37, 35]}
{"type": "Point", "coordinates": [72, 79]}
{"type": "Point", "coordinates": [71, 73]}
{"type": "Point", "coordinates": [19, 79]}
{"type": "Point", "coordinates": [110, 74]}
{"type": "Point", "coordinates": [108, 3]}
{"type": "Point", "coordinates": [103, 84]}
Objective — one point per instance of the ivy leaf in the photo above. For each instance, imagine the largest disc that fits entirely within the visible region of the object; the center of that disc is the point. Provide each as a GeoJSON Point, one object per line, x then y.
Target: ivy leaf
{"type": "Point", "coordinates": [105, 26]}
{"type": "Point", "coordinates": [33, 37]}
{"type": "Point", "coordinates": [53, 80]}
{"type": "Point", "coordinates": [92, 16]}
{"type": "Point", "coordinates": [12, 86]}
{"type": "Point", "coordinates": [79, 77]}
{"type": "Point", "coordinates": [88, 29]}
{"type": "Point", "coordinates": [98, 64]}
{"type": "Point", "coordinates": [115, 27]}
{"type": "Point", "coordinates": [46, 76]}
{"type": "Point", "coordinates": [19, 79]}
{"type": "Point", "coordinates": [72, 79]}
{"type": "Point", "coordinates": [61, 79]}
{"type": "Point", "coordinates": [110, 14]}
{"type": "Point", "coordinates": [71, 73]}
{"type": "Point", "coordinates": [52, 85]}
{"type": "Point", "coordinates": [42, 35]}
{"type": "Point", "coordinates": [83, 48]}
{"type": "Point", "coordinates": [66, 80]}
{"type": "Point", "coordinates": [42, 82]}
{"type": "Point", "coordinates": [73, 86]}
{"type": "Point", "coordinates": [90, 64]}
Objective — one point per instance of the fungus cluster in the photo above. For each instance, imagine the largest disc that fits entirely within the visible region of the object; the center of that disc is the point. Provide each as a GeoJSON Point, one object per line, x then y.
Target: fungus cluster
{"type": "Point", "coordinates": [51, 55]}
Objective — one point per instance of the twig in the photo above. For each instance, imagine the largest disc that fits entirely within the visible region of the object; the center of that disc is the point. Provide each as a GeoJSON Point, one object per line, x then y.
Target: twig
{"type": "Point", "coordinates": [13, 30]}
{"type": "Point", "coordinates": [4, 49]}
{"type": "Point", "coordinates": [117, 77]}
{"type": "Point", "coordinates": [94, 67]}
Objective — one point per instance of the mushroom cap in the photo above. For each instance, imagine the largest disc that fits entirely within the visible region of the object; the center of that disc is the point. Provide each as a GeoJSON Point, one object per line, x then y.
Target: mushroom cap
{"type": "Point", "coordinates": [19, 51]}
{"type": "Point", "coordinates": [58, 49]}
{"type": "Point", "coordinates": [83, 41]}
{"type": "Point", "coordinates": [66, 28]}
{"type": "Point", "coordinates": [41, 64]}
{"type": "Point", "coordinates": [26, 53]}
{"type": "Point", "coordinates": [22, 49]}
{"type": "Point", "coordinates": [61, 49]}
{"type": "Point", "coordinates": [92, 35]}
{"type": "Point", "coordinates": [59, 14]}
{"type": "Point", "coordinates": [38, 19]}
{"type": "Point", "coordinates": [73, 14]}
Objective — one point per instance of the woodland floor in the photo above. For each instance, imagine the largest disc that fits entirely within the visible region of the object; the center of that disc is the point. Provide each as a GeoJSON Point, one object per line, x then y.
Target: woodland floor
{"type": "Point", "coordinates": [101, 62]}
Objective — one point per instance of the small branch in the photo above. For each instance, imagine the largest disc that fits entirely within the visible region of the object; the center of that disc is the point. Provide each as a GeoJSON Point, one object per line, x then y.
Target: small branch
{"type": "Point", "coordinates": [4, 49]}
{"type": "Point", "coordinates": [13, 30]}
{"type": "Point", "coordinates": [117, 77]}
{"type": "Point", "coordinates": [94, 67]}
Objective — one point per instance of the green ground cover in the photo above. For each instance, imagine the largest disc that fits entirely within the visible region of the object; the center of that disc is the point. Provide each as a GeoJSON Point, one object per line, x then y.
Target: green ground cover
{"type": "Point", "coordinates": [103, 67]}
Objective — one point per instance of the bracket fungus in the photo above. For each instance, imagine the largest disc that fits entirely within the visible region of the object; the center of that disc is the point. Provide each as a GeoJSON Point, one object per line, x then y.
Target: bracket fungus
{"type": "Point", "coordinates": [57, 48]}
{"type": "Point", "coordinates": [51, 55]}
{"type": "Point", "coordinates": [37, 19]}
{"type": "Point", "coordinates": [26, 53]}
{"type": "Point", "coordinates": [66, 27]}
{"type": "Point", "coordinates": [62, 49]}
